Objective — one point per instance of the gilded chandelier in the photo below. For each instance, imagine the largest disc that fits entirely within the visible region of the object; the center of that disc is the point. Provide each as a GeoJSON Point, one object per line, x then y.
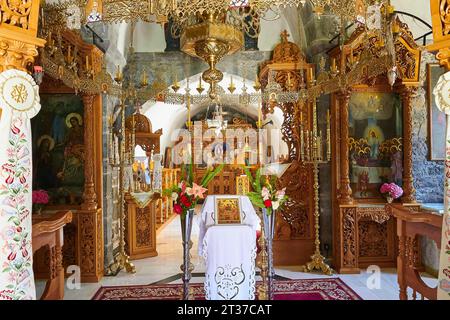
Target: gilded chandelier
{"type": "Point", "coordinates": [208, 29]}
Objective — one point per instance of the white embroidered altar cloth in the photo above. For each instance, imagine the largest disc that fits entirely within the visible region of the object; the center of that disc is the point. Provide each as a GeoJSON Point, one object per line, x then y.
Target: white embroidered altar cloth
{"type": "Point", "coordinates": [229, 252]}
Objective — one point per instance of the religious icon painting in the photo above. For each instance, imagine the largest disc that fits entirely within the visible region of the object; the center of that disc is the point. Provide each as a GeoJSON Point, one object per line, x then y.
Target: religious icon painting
{"type": "Point", "coordinates": [375, 142]}
{"type": "Point", "coordinates": [228, 210]}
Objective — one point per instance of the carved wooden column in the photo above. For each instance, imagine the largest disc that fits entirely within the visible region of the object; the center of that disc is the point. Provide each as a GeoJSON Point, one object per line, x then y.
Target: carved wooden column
{"type": "Point", "coordinates": [408, 187]}
{"type": "Point", "coordinates": [89, 195]}
{"type": "Point", "coordinates": [345, 192]}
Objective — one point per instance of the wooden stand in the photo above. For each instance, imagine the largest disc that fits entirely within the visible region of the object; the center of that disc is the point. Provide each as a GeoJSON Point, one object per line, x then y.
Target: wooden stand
{"type": "Point", "coordinates": [411, 224]}
{"type": "Point", "coordinates": [47, 233]}
{"type": "Point", "coordinates": [140, 228]}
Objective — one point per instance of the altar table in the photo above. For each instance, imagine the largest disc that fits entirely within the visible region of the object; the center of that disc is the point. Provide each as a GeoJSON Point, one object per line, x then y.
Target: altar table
{"type": "Point", "coordinates": [229, 252]}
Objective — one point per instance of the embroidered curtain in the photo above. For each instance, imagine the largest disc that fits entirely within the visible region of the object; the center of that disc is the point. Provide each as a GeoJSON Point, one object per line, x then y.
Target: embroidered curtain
{"type": "Point", "coordinates": [19, 102]}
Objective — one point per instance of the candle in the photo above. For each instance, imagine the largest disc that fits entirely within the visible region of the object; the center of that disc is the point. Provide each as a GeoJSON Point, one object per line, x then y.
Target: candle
{"type": "Point", "coordinates": [319, 146]}
{"type": "Point", "coordinates": [302, 146]}
{"type": "Point", "coordinates": [310, 75]}
{"type": "Point", "coordinates": [333, 65]}
{"type": "Point", "coordinates": [87, 63]}
{"type": "Point", "coordinates": [68, 54]}
{"type": "Point", "coordinates": [308, 155]}
{"type": "Point", "coordinates": [259, 113]}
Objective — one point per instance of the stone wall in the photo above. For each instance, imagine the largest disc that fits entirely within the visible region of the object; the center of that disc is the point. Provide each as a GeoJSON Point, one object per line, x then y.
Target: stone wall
{"type": "Point", "coordinates": [428, 175]}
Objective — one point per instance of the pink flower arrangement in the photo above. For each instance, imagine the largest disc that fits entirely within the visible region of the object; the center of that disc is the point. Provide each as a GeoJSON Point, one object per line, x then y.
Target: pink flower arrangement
{"type": "Point", "coordinates": [40, 197]}
{"type": "Point", "coordinates": [393, 190]}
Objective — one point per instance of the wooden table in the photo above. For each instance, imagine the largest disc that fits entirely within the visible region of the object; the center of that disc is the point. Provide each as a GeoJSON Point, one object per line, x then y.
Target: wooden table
{"type": "Point", "coordinates": [410, 225]}
{"type": "Point", "coordinates": [48, 232]}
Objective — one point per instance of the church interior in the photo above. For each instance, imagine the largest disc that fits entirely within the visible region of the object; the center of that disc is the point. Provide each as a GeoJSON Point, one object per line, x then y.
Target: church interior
{"type": "Point", "coordinates": [224, 150]}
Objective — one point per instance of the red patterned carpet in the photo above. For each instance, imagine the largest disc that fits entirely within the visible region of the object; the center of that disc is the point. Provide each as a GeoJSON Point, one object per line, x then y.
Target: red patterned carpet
{"type": "Point", "coordinates": [308, 289]}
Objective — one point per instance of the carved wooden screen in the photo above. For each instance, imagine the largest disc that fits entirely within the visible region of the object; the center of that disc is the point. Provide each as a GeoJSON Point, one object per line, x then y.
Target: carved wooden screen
{"type": "Point", "coordinates": [294, 237]}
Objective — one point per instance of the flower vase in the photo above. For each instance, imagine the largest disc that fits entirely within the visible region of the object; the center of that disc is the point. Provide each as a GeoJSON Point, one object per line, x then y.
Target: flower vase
{"type": "Point", "coordinates": [269, 226]}
{"type": "Point", "coordinates": [389, 199]}
{"type": "Point", "coordinates": [187, 267]}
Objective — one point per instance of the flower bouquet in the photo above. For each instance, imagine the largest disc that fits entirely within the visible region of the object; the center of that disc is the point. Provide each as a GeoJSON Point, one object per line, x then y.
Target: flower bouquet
{"type": "Point", "coordinates": [269, 199]}
{"type": "Point", "coordinates": [391, 191]}
{"type": "Point", "coordinates": [39, 199]}
{"type": "Point", "coordinates": [185, 196]}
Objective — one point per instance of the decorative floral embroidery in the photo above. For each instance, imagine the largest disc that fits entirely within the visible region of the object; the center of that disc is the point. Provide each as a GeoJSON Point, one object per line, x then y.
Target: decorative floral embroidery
{"type": "Point", "coordinates": [444, 278]}
{"type": "Point", "coordinates": [15, 186]}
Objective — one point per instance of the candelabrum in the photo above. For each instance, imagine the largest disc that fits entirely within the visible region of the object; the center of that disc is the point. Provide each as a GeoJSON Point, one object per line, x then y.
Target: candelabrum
{"type": "Point", "coordinates": [262, 262]}
{"type": "Point", "coordinates": [314, 151]}
{"type": "Point", "coordinates": [121, 156]}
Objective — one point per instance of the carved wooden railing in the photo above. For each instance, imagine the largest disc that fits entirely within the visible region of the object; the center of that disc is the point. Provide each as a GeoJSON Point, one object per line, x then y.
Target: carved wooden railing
{"type": "Point", "coordinates": [411, 224]}
{"type": "Point", "coordinates": [164, 206]}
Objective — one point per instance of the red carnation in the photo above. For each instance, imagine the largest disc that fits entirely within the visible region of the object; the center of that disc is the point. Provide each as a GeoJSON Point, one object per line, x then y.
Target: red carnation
{"type": "Point", "coordinates": [268, 203]}
{"type": "Point", "coordinates": [24, 252]}
{"type": "Point", "coordinates": [177, 208]}
{"type": "Point", "coordinates": [22, 179]}
{"type": "Point", "coordinates": [185, 201]}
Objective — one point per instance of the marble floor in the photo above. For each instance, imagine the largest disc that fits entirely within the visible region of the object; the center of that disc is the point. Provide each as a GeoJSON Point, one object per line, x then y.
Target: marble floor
{"type": "Point", "coordinates": [166, 266]}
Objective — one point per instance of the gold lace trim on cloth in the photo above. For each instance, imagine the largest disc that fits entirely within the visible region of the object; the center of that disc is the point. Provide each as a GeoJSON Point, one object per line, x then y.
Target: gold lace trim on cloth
{"type": "Point", "coordinates": [142, 199]}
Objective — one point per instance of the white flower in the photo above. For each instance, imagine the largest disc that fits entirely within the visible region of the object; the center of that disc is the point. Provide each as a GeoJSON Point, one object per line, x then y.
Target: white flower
{"type": "Point", "coordinates": [281, 193]}
{"type": "Point", "coordinates": [275, 205]}
{"type": "Point", "coordinates": [265, 193]}
{"type": "Point", "coordinates": [174, 196]}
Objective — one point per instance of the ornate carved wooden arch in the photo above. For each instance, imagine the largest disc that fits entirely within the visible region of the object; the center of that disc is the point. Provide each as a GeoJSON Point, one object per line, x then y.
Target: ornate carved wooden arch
{"type": "Point", "coordinates": [148, 140]}
{"type": "Point", "coordinates": [407, 53]}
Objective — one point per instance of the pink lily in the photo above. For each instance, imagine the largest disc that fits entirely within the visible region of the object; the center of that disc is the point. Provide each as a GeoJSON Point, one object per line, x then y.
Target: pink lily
{"type": "Point", "coordinates": [198, 191]}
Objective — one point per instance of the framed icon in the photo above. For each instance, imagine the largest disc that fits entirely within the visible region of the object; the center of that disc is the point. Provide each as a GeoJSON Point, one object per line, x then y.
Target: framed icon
{"type": "Point", "coordinates": [228, 210]}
